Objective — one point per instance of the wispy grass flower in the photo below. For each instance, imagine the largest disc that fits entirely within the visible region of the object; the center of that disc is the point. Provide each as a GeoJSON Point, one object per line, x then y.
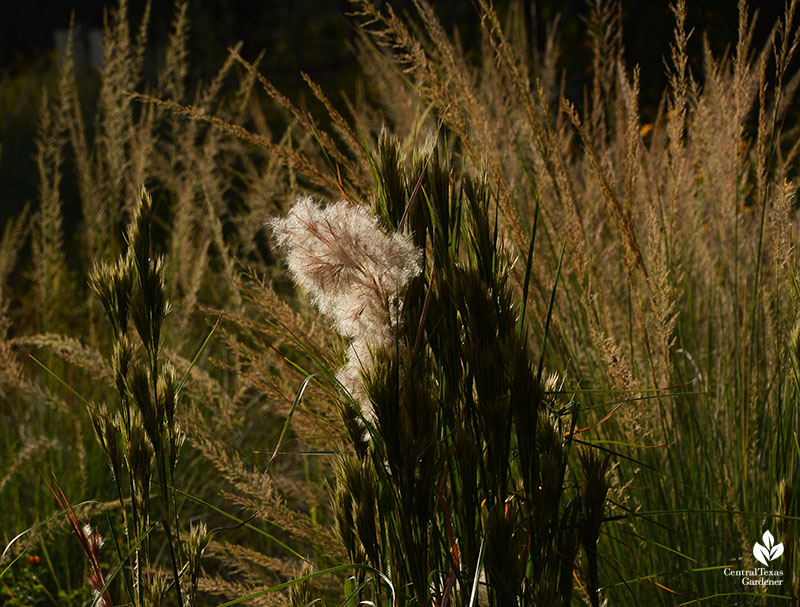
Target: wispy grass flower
{"type": "Point", "coordinates": [355, 273]}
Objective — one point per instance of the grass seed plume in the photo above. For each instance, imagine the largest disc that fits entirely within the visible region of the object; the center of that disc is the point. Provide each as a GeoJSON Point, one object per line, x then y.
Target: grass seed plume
{"type": "Point", "coordinates": [355, 273]}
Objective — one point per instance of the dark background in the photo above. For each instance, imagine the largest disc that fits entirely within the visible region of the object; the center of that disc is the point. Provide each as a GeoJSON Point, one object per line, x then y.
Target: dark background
{"type": "Point", "coordinates": [315, 36]}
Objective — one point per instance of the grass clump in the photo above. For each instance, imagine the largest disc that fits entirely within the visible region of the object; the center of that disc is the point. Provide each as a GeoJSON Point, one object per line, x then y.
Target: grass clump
{"type": "Point", "coordinates": [141, 438]}
{"type": "Point", "coordinates": [456, 480]}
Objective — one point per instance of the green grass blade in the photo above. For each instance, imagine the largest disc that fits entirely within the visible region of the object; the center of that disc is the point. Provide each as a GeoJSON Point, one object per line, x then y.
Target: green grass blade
{"type": "Point", "coordinates": [197, 356]}
{"type": "Point", "coordinates": [61, 381]}
{"type": "Point", "coordinates": [285, 429]}
{"type": "Point", "coordinates": [122, 562]}
{"type": "Point", "coordinates": [4, 571]}
{"type": "Point", "coordinates": [529, 264]}
{"type": "Point", "coordinates": [550, 313]}
{"type": "Point", "coordinates": [725, 594]}
{"type": "Point", "coordinates": [118, 550]}
{"type": "Point", "coordinates": [244, 523]}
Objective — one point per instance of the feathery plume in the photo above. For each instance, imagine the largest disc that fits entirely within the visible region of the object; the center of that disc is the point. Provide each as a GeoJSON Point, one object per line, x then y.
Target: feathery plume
{"type": "Point", "coordinates": [355, 273]}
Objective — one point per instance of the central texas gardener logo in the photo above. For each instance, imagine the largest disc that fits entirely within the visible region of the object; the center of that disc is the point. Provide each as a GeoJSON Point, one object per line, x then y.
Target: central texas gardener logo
{"type": "Point", "coordinates": [769, 551]}
{"type": "Point", "coordinates": [761, 576]}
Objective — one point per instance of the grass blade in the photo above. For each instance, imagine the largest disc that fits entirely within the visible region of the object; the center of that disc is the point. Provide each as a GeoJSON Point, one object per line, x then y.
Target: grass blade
{"type": "Point", "coordinates": [197, 356]}
{"type": "Point", "coordinates": [550, 313]}
{"type": "Point", "coordinates": [529, 263]}
{"type": "Point", "coordinates": [244, 523]}
{"type": "Point", "coordinates": [296, 402]}
{"type": "Point", "coordinates": [481, 553]}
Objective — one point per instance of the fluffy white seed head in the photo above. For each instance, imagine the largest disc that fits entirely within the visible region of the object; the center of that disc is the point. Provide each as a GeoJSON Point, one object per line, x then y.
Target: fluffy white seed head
{"type": "Point", "coordinates": [354, 271]}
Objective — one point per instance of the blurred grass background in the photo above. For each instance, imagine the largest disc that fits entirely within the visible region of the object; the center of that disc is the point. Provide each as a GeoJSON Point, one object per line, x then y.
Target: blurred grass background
{"type": "Point", "coordinates": [312, 36]}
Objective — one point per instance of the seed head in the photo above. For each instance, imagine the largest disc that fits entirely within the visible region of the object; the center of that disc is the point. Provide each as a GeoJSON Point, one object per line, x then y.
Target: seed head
{"type": "Point", "coordinates": [355, 273]}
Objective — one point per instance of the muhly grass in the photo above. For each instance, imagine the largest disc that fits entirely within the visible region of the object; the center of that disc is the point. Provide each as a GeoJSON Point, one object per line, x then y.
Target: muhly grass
{"type": "Point", "coordinates": [402, 444]}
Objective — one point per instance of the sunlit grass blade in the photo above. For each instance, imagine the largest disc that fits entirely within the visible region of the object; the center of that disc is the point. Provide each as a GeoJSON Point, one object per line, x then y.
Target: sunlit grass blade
{"type": "Point", "coordinates": [43, 523]}
{"type": "Point", "coordinates": [473, 595]}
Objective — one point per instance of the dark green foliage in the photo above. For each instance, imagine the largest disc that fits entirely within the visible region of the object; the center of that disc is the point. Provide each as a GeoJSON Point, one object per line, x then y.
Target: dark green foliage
{"type": "Point", "coordinates": [465, 455]}
{"type": "Point", "coordinates": [595, 472]}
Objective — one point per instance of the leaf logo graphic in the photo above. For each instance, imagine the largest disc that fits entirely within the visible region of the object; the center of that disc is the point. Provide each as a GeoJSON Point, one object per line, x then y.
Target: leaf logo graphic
{"type": "Point", "coordinates": [769, 551]}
